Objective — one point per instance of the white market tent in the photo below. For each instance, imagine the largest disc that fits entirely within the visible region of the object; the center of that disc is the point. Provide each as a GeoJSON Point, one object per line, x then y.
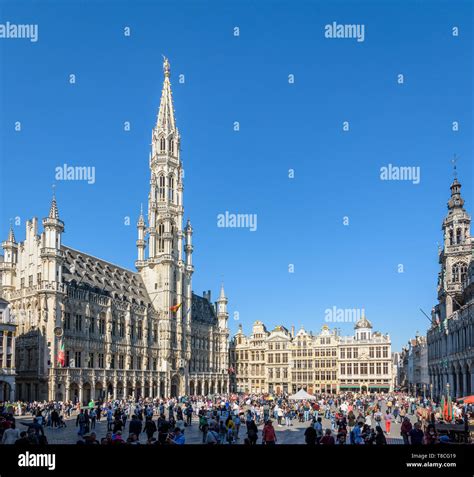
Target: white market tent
{"type": "Point", "coordinates": [301, 395]}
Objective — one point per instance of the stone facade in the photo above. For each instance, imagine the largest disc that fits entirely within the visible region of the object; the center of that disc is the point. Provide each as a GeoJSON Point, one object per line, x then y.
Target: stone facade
{"type": "Point", "coordinates": [90, 329]}
{"type": "Point", "coordinates": [7, 353]}
{"type": "Point", "coordinates": [282, 361]}
{"type": "Point", "coordinates": [451, 337]}
{"type": "Point", "coordinates": [413, 367]}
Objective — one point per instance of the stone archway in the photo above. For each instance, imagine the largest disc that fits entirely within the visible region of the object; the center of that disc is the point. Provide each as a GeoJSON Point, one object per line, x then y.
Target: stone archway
{"type": "Point", "coordinates": [110, 391]}
{"type": "Point", "coordinates": [86, 393]}
{"type": "Point", "coordinates": [191, 388]}
{"type": "Point", "coordinates": [162, 389]}
{"type": "Point", "coordinates": [206, 388]}
{"type": "Point", "coordinates": [120, 390]}
{"type": "Point", "coordinates": [99, 391]}
{"type": "Point", "coordinates": [212, 387]}
{"type": "Point", "coordinates": [147, 389]}
{"type": "Point", "coordinates": [219, 387]}
{"type": "Point", "coordinates": [60, 392]}
{"type": "Point", "coordinates": [138, 390]}
{"type": "Point", "coordinates": [5, 391]}
{"type": "Point", "coordinates": [174, 388]}
{"type": "Point", "coordinates": [73, 392]}
{"type": "Point", "coordinates": [199, 388]}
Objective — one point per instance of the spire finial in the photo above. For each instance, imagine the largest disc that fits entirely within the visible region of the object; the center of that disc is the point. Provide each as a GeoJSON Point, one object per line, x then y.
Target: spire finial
{"type": "Point", "coordinates": [166, 120]}
{"type": "Point", "coordinates": [11, 233]}
{"type": "Point", "coordinates": [53, 211]}
{"type": "Point", "coordinates": [454, 160]}
{"type": "Point", "coordinates": [166, 66]}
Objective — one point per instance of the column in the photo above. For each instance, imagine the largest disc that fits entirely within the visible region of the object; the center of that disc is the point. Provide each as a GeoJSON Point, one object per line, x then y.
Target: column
{"type": "Point", "coordinates": [464, 381]}
{"type": "Point", "coordinates": [115, 387]}
{"type": "Point", "coordinates": [457, 392]}
{"type": "Point", "coordinates": [471, 369]}
{"type": "Point", "coordinates": [81, 391]}
{"type": "Point", "coordinates": [3, 362]}
{"type": "Point", "coordinates": [67, 391]}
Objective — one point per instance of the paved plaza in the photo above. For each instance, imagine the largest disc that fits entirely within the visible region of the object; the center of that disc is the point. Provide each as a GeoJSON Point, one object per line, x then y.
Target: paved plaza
{"type": "Point", "coordinates": [285, 435]}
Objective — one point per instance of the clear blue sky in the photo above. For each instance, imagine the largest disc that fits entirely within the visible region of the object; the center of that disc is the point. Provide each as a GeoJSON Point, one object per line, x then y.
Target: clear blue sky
{"type": "Point", "coordinates": [282, 127]}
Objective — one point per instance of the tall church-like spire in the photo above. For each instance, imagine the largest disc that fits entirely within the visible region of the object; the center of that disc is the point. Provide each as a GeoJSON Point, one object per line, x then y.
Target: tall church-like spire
{"type": "Point", "coordinates": [166, 121]}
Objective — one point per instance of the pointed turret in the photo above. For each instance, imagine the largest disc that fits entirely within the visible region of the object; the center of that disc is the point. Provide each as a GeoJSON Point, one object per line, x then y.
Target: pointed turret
{"type": "Point", "coordinates": [166, 121]}
{"type": "Point", "coordinates": [222, 293]}
{"type": "Point", "coordinates": [222, 314]}
{"type": "Point", "coordinates": [11, 235]}
{"type": "Point", "coordinates": [51, 254]}
{"type": "Point", "coordinates": [8, 266]}
{"type": "Point", "coordinates": [141, 240]}
{"type": "Point", "coordinates": [53, 210]}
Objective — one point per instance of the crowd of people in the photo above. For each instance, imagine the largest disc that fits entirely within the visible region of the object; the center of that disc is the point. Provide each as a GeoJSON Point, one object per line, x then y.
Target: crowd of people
{"type": "Point", "coordinates": [345, 418]}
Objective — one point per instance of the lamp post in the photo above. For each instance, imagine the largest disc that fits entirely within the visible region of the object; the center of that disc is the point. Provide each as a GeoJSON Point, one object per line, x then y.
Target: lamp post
{"type": "Point", "coordinates": [431, 391]}
{"type": "Point", "coordinates": [424, 392]}
{"type": "Point", "coordinates": [447, 390]}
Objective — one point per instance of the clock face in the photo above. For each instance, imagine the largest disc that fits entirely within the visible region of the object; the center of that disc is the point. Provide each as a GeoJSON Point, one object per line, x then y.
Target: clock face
{"type": "Point", "coordinates": [58, 331]}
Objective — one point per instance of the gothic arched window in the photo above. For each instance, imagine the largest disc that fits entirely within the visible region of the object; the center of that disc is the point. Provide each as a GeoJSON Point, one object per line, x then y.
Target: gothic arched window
{"type": "Point", "coordinates": [162, 144]}
{"type": "Point", "coordinates": [161, 187]}
{"type": "Point", "coordinates": [161, 240]}
{"type": "Point", "coordinates": [171, 188]}
{"type": "Point", "coordinates": [458, 236]}
{"type": "Point", "coordinates": [459, 272]}
{"type": "Point", "coordinates": [451, 238]}
{"type": "Point", "coordinates": [171, 145]}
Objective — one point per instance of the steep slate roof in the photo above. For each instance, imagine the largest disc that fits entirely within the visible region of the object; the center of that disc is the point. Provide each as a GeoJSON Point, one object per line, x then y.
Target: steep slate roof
{"type": "Point", "coordinates": [109, 278]}
{"type": "Point", "coordinates": [202, 310]}
{"type": "Point", "coordinates": [103, 276]}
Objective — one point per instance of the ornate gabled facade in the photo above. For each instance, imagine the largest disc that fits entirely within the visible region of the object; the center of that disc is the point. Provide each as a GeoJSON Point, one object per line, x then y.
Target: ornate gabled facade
{"type": "Point", "coordinates": [284, 362]}
{"type": "Point", "coordinates": [450, 339]}
{"type": "Point", "coordinates": [7, 353]}
{"type": "Point", "coordinates": [90, 329]}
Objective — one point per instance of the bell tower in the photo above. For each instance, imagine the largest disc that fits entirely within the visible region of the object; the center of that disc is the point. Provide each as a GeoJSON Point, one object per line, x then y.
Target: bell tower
{"type": "Point", "coordinates": [160, 258]}
{"type": "Point", "coordinates": [456, 254]}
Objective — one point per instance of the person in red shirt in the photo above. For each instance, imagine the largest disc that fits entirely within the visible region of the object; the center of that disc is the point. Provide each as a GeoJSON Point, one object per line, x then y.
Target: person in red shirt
{"type": "Point", "coordinates": [328, 439]}
{"type": "Point", "coordinates": [268, 434]}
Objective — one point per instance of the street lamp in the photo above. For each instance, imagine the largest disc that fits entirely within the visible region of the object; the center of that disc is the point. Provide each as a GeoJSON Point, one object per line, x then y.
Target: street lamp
{"type": "Point", "coordinates": [424, 392]}
{"type": "Point", "coordinates": [447, 389]}
{"type": "Point", "coordinates": [431, 391]}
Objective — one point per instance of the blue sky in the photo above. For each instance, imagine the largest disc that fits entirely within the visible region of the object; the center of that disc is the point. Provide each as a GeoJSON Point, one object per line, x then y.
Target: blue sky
{"type": "Point", "coordinates": [282, 126]}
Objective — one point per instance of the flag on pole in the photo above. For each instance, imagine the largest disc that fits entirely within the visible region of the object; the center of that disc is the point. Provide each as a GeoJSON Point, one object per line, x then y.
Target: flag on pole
{"type": "Point", "coordinates": [175, 308]}
{"type": "Point", "coordinates": [449, 410]}
{"type": "Point", "coordinates": [61, 358]}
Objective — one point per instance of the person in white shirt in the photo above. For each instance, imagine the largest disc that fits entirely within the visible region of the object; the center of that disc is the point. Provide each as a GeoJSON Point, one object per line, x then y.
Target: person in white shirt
{"type": "Point", "coordinates": [10, 436]}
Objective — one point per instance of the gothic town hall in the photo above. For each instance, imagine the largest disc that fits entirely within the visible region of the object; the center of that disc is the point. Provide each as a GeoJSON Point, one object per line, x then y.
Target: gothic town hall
{"type": "Point", "coordinates": [90, 329]}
